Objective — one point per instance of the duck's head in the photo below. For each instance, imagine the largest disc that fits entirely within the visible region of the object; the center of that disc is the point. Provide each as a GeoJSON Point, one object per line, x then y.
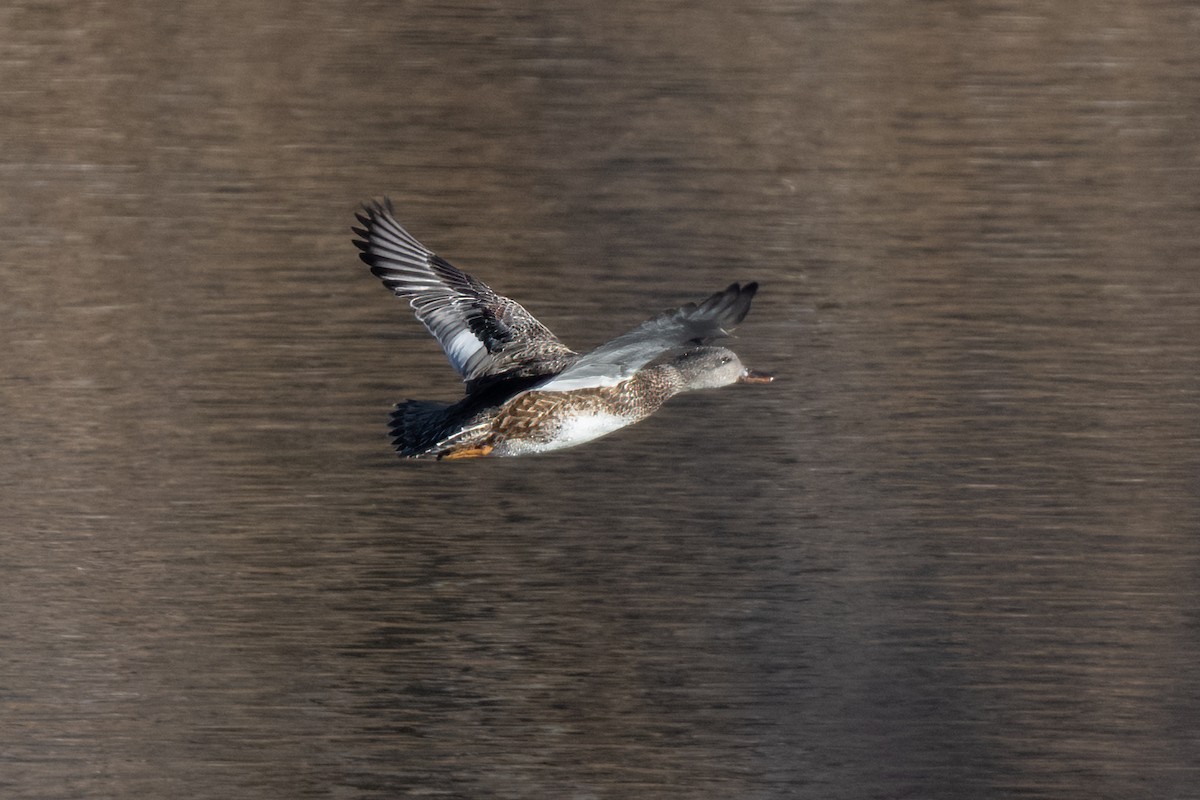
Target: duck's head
{"type": "Point", "coordinates": [713, 367]}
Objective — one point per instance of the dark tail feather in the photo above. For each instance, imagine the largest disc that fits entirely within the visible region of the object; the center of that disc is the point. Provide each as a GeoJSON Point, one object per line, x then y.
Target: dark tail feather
{"type": "Point", "coordinates": [417, 426]}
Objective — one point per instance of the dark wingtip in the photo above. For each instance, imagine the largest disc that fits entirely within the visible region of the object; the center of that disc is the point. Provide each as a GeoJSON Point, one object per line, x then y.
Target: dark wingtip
{"type": "Point", "coordinates": [368, 217]}
{"type": "Point", "coordinates": [727, 307]}
{"type": "Point", "coordinates": [374, 208]}
{"type": "Point", "coordinates": [740, 297]}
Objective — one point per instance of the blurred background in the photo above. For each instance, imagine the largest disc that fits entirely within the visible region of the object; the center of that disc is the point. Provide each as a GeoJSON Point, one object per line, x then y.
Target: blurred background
{"type": "Point", "coordinates": [952, 552]}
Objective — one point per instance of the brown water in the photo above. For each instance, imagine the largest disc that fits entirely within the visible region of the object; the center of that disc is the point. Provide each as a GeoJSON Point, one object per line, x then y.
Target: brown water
{"type": "Point", "coordinates": [951, 553]}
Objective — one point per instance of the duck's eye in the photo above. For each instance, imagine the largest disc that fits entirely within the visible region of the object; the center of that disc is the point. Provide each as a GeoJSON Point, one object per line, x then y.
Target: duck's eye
{"type": "Point", "coordinates": [726, 359]}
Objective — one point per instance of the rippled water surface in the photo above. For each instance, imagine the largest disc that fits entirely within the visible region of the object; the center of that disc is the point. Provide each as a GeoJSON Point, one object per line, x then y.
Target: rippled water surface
{"type": "Point", "coordinates": [950, 553]}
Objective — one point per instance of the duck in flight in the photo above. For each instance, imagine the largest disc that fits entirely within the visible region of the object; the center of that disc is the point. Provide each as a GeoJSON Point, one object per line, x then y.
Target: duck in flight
{"type": "Point", "coordinates": [527, 392]}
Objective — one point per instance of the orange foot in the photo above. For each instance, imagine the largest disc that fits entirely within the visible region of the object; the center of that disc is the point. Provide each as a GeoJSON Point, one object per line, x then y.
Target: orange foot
{"type": "Point", "coordinates": [470, 452]}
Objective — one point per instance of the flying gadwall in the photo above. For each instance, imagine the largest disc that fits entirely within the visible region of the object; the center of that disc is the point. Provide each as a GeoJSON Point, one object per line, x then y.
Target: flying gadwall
{"type": "Point", "coordinates": [527, 392]}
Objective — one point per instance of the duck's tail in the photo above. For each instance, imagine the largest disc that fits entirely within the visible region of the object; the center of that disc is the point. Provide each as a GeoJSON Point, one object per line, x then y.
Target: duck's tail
{"type": "Point", "coordinates": [418, 427]}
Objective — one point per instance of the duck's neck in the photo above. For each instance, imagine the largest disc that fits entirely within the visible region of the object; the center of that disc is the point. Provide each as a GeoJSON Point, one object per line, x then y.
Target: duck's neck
{"type": "Point", "coordinates": [660, 383]}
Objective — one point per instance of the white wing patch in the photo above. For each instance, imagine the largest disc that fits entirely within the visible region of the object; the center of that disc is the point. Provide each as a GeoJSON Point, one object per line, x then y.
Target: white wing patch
{"type": "Point", "coordinates": [461, 347]}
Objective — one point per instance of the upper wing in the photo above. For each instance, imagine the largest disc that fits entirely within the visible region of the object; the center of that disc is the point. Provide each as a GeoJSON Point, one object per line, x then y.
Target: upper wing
{"type": "Point", "coordinates": [621, 358]}
{"type": "Point", "coordinates": [484, 334]}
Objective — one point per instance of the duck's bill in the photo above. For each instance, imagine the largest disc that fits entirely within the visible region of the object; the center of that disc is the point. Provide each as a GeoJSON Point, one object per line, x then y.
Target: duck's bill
{"type": "Point", "coordinates": [754, 376]}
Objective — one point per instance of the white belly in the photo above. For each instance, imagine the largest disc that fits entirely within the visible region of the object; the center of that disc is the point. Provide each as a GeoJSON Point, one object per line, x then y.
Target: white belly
{"type": "Point", "coordinates": [583, 429]}
{"type": "Point", "coordinates": [572, 431]}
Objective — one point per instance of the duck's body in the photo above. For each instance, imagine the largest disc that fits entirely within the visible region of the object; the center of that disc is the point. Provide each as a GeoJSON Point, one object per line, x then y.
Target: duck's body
{"type": "Point", "coordinates": [526, 391]}
{"type": "Point", "coordinates": [529, 421]}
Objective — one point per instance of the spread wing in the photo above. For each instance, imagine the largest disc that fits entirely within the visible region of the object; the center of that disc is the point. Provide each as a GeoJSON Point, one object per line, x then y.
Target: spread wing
{"type": "Point", "coordinates": [485, 335]}
{"type": "Point", "coordinates": [621, 358]}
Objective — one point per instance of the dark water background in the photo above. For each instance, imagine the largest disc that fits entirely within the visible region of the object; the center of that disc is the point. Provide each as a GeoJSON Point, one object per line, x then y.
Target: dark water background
{"type": "Point", "coordinates": [951, 553]}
